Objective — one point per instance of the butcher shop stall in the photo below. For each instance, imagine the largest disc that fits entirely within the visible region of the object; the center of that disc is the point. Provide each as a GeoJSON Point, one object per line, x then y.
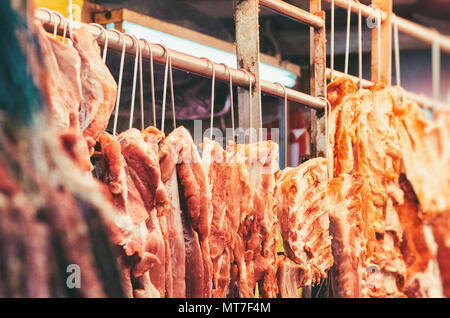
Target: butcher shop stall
{"type": "Point", "coordinates": [224, 149]}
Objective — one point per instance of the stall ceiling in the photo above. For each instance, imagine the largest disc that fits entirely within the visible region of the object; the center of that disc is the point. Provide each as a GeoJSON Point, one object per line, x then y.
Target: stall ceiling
{"type": "Point", "coordinates": [280, 35]}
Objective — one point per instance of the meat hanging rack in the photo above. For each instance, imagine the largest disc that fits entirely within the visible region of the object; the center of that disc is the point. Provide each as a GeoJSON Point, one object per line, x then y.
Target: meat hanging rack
{"type": "Point", "coordinates": [183, 61]}
{"type": "Point", "coordinates": [421, 33]}
{"type": "Point", "coordinates": [249, 10]}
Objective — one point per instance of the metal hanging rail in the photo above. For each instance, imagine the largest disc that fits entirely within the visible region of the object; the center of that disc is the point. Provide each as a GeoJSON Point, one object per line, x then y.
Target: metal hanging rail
{"type": "Point", "coordinates": [293, 12]}
{"type": "Point", "coordinates": [415, 30]}
{"type": "Point", "coordinates": [185, 62]}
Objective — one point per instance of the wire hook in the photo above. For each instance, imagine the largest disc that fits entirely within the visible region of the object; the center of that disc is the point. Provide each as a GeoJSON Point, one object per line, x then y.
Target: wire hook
{"type": "Point", "coordinates": [230, 81]}
{"type": "Point", "coordinates": [119, 87]}
{"type": "Point", "coordinates": [359, 44]}
{"type": "Point", "coordinates": [396, 51]}
{"type": "Point", "coordinates": [62, 20]}
{"type": "Point", "coordinates": [163, 106]}
{"type": "Point", "coordinates": [141, 87]}
{"type": "Point", "coordinates": [327, 136]}
{"type": "Point", "coordinates": [103, 32]}
{"type": "Point", "coordinates": [212, 95]}
{"type": "Point", "coordinates": [152, 80]}
{"type": "Point", "coordinates": [347, 37]}
{"type": "Point", "coordinates": [332, 42]}
{"type": "Point", "coordinates": [285, 123]}
{"type": "Point", "coordinates": [136, 62]}
{"type": "Point", "coordinates": [250, 96]}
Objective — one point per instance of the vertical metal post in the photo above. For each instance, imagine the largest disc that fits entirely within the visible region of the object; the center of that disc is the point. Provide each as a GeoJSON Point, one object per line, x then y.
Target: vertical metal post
{"type": "Point", "coordinates": [385, 44]}
{"type": "Point", "coordinates": [246, 14]}
{"type": "Point", "coordinates": [317, 80]}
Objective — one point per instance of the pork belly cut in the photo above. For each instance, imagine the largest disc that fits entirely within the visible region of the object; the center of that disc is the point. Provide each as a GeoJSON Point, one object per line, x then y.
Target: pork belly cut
{"type": "Point", "coordinates": [143, 237]}
{"type": "Point", "coordinates": [171, 222]}
{"type": "Point", "coordinates": [291, 276]}
{"type": "Point", "coordinates": [344, 202]}
{"type": "Point", "coordinates": [197, 205]}
{"type": "Point", "coordinates": [59, 79]}
{"type": "Point", "coordinates": [125, 198]}
{"type": "Point", "coordinates": [99, 88]}
{"type": "Point", "coordinates": [425, 149]}
{"type": "Point", "coordinates": [257, 239]}
{"type": "Point", "coordinates": [304, 220]}
{"type": "Point", "coordinates": [366, 143]}
{"type": "Point", "coordinates": [441, 233]}
{"type": "Point", "coordinates": [24, 243]}
{"type": "Point", "coordinates": [230, 197]}
{"type": "Point", "coordinates": [64, 217]}
{"type": "Point", "coordinates": [142, 159]}
{"type": "Point", "coordinates": [422, 278]}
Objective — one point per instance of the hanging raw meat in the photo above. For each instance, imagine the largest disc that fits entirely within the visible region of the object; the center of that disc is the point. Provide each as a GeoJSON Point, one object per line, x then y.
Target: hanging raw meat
{"type": "Point", "coordinates": [365, 142]}
{"type": "Point", "coordinates": [256, 243]}
{"type": "Point", "coordinates": [344, 202]}
{"type": "Point", "coordinates": [418, 249]}
{"type": "Point", "coordinates": [142, 235]}
{"type": "Point", "coordinates": [197, 213]}
{"type": "Point", "coordinates": [304, 218]}
{"type": "Point", "coordinates": [424, 153]}
{"type": "Point", "coordinates": [99, 88]}
{"type": "Point", "coordinates": [171, 222]}
{"type": "Point", "coordinates": [59, 79]}
{"type": "Point", "coordinates": [228, 179]}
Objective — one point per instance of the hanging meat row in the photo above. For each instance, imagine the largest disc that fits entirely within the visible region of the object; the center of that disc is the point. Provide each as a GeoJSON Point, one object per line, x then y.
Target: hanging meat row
{"type": "Point", "coordinates": [176, 220]}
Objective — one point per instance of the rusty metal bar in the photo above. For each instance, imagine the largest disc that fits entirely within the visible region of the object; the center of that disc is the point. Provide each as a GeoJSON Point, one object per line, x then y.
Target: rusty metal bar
{"type": "Point", "coordinates": [246, 17]}
{"type": "Point", "coordinates": [186, 62]}
{"type": "Point", "coordinates": [317, 80]}
{"type": "Point", "coordinates": [293, 12]}
{"type": "Point", "coordinates": [381, 65]}
{"type": "Point", "coordinates": [415, 30]}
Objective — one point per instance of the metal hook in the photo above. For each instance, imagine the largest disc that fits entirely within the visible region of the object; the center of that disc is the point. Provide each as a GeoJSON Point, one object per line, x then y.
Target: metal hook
{"type": "Point", "coordinates": [332, 42]}
{"type": "Point", "coordinates": [379, 44]}
{"type": "Point", "coordinates": [56, 24]}
{"type": "Point", "coordinates": [141, 87]}
{"type": "Point", "coordinates": [347, 38]}
{"type": "Point", "coordinates": [285, 123]}
{"type": "Point", "coordinates": [211, 123]}
{"type": "Point", "coordinates": [136, 61]}
{"type": "Point", "coordinates": [119, 87]}
{"type": "Point", "coordinates": [152, 80]}
{"type": "Point", "coordinates": [103, 32]}
{"type": "Point", "coordinates": [359, 44]}
{"type": "Point", "coordinates": [396, 51]}
{"type": "Point", "coordinates": [327, 134]}
{"type": "Point", "coordinates": [70, 31]}
{"type": "Point", "coordinates": [166, 70]}
{"type": "Point", "coordinates": [172, 96]}
{"type": "Point", "coordinates": [62, 20]}
{"type": "Point", "coordinates": [230, 80]}
{"type": "Point", "coordinates": [251, 95]}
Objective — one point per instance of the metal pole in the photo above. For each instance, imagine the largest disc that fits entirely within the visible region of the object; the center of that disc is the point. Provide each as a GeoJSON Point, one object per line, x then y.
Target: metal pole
{"type": "Point", "coordinates": [293, 12]}
{"type": "Point", "coordinates": [317, 80]}
{"type": "Point", "coordinates": [382, 44]}
{"type": "Point", "coordinates": [246, 16]}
